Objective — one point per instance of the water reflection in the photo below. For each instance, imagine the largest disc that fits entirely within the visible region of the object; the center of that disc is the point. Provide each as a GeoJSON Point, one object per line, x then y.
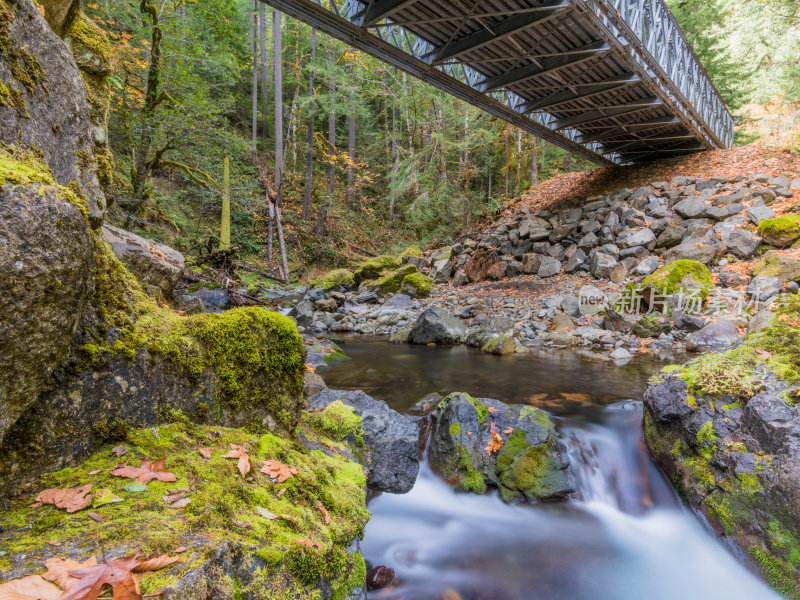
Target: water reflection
{"type": "Point", "coordinates": [624, 536]}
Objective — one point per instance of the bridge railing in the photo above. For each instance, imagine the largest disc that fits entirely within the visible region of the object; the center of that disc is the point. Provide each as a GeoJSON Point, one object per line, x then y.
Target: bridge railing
{"type": "Point", "coordinates": [648, 26]}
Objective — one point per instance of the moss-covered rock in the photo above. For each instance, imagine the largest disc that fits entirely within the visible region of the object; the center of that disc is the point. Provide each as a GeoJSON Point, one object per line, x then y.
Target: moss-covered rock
{"type": "Point", "coordinates": [724, 429]}
{"type": "Point", "coordinates": [390, 284]}
{"type": "Point", "coordinates": [648, 327]}
{"type": "Point", "coordinates": [375, 268]}
{"type": "Point", "coordinates": [681, 276]}
{"type": "Point", "coordinates": [782, 231]}
{"type": "Point", "coordinates": [343, 277]}
{"type": "Point", "coordinates": [482, 443]}
{"type": "Point", "coordinates": [412, 250]}
{"type": "Point", "coordinates": [416, 285]}
{"type": "Point", "coordinates": [228, 540]}
{"type": "Point", "coordinates": [784, 265]}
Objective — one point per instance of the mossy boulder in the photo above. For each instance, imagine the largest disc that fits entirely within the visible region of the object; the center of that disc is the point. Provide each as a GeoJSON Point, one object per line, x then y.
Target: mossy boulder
{"type": "Point", "coordinates": [782, 231]}
{"type": "Point", "coordinates": [479, 443]}
{"type": "Point", "coordinates": [724, 429]}
{"type": "Point", "coordinates": [228, 539]}
{"type": "Point", "coordinates": [391, 283]}
{"type": "Point", "coordinates": [681, 277]}
{"type": "Point", "coordinates": [342, 277]}
{"type": "Point", "coordinates": [43, 102]}
{"type": "Point", "coordinates": [375, 268]}
{"type": "Point", "coordinates": [784, 265]}
{"type": "Point", "coordinates": [412, 250]}
{"type": "Point", "coordinates": [416, 285]}
{"type": "Point", "coordinates": [648, 327]}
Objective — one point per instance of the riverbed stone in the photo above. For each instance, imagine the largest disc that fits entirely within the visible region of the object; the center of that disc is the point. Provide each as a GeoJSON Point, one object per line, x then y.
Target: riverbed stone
{"type": "Point", "coordinates": [437, 326]}
{"type": "Point", "coordinates": [714, 336]}
{"type": "Point", "coordinates": [527, 464]}
{"type": "Point", "coordinates": [390, 440]}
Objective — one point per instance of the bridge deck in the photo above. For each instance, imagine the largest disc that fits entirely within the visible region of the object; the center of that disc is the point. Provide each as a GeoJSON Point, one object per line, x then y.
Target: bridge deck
{"type": "Point", "coordinates": [614, 81]}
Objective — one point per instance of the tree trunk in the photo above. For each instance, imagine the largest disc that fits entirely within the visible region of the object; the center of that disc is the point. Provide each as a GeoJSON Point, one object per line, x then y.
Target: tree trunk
{"type": "Point", "coordinates": [518, 182]}
{"type": "Point", "coordinates": [262, 22]}
{"type": "Point", "coordinates": [568, 162]}
{"type": "Point", "coordinates": [254, 40]}
{"type": "Point", "coordinates": [310, 148]}
{"type": "Point", "coordinates": [465, 203]}
{"type": "Point", "coordinates": [152, 97]}
{"type": "Point", "coordinates": [534, 164]}
{"type": "Point", "coordinates": [395, 160]}
{"type": "Point", "coordinates": [351, 153]}
{"type": "Point", "coordinates": [331, 139]}
{"type": "Point", "coordinates": [279, 158]}
{"type": "Point", "coordinates": [225, 221]}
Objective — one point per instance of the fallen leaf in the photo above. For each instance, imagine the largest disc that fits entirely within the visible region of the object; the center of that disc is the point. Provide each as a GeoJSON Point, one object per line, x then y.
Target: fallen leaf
{"type": "Point", "coordinates": [240, 523]}
{"type": "Point", "coordinates": [155, 562]}
{"type": "Point", "coordinates": [105, 496]}
{"type": "Point", "coordinates": [95, 472]}
{"type": "Point", "coordinates": [167, 525]}
{"type": "Point", "coordinates": [494, 444]}
{"type": "Point", "coordinates": [493, 427]}
{"type": "Point", "coordinates": [181, 549]}
{"type": "Point", "coordinates": [492, 409]}
{"type": "Point", "coordinates": [92, 580]}
{"type": "Point", "coordinates": [206, 453]}
{"type": "Point", "coordinates": [508, 430]}
{"type": "Point", "coordinates": [29, 588]}
{"type": "Point", "coordinates": [245, 462]}
{"type": "Point", "coordinates": [266, 514]}
{"type": "Point", "coordinates": [147, 472]}
{"type": "Point", "coordinates": [181, 503]}
{"type": "Point", "coordinates": [309, 544]}
{"type": "Point", "coordinates": [58, 570]}
{"type": "Point", "coordinates": [135, 487]}
{"type": "Point", "coordinates": [119, 450]}
{"type": "Point", "coordinates": [326, 516]}
{"type": "Point", "coordinates": [783, 317]}
{"type": "Point", "coordinates": [95, 517]}
{"type": "Point", "coordinates": [762, 353]}
{"type": "Point", "coordinates": [277, 470]}
{"type": "Point", "coordinates": [71, 500]}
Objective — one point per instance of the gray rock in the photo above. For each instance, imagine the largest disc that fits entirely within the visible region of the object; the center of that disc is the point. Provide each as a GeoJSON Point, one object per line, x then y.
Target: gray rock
{"type": "Point", "coordinates": [714, 336]}
{"type": "Point", "coordinates": [731, 278]}
{"type": "Point", "coordinates": [636, 237]}
{"type": "Point", "coordinates": [460, 437]}
{"type": "Point", "coordinates": [56, 118]}
{"type": "Point", "coordinates": [398, 301]}
{"type": "Point", "coordinates": [613, 321]}
{"type": "Point", "coordinates": [460, 278]}
{"type": "Point", "coordinates": [572, 306]}
{"type": "Point", "coordinates": [442, 270]}
{"type": "Point", "coordinates": [549, 267]}
{"type": "Point", "coordinates": [531, 263]}
{"type": "Point", "coordinates": [686, 322]}
{"type": "Point", "coordinates": [151, 262]}
{"type": "Point", "coordinates": [760, 320]}
{"type": "Point", "coordinates": [742, 243]}
{"type": "Point", "coordinates": [760, 213]}
{"type": "Point", "coordinates": [602, 265]}
{"type": "Point", "coordinates": [647, 266]}
{"type": "Point", "coordinates": [619, 273]}
{"type": "Point", "coordinates": [47, 264]}
{"type": "Point", "coordinates": [437, 326]}
{"type": "Point", "coordinates": [620, 354]}
{"type": "Point", "coordinates": [671, 236]}
{"type": "Point", "coordinates": [575, 261]}
{"type": "Point", "coordinates": [700, 249]}
{"type": "Point", "coordinates": [391, 440]}
{"type": "Point", "coordinates": [589, 241]}
{"type": "Point", "coordinates": [691, 208]}
{"type": "Point", "coordinates": [763, 287]}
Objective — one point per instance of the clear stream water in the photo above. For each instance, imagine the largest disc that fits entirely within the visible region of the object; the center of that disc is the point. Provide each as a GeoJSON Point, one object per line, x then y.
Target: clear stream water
{"type": "Point", "coordinates": [625, 534]}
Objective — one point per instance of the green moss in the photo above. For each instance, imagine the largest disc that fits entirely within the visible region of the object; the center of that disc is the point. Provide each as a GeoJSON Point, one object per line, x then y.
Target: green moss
{"type": "Point", "coordinates": [342, 277]}
{"type": "Point", "coordinates": [375, 268]}
{"type": "Point", "coordinates": [337, 420]}
{"type": "Point", "coordinates": [527, 471]}
{"type": "Point", "coordinates": [778, 575]}
{"type": "Point", "coordinates": [10, 96]}
{"type": "Point", "coordinates": [390, 284]}
{"type": "Point", "coordinates": [473, 482]}
{"type": "Point", "coordinates": [455, 429]}
{"type": "Point", "coordinates": [222, 510]}
{"type": "Point", "coordinates": [115, 431]}
{"type": "Point", "coordinates": [681, 275]}
{"type": "Point", "coordinates": [781, 231]}
{"type": "Point", "coordinates": [480, 408]}
{"type": "Point", "coordinates": [412, 250]}
{"type": "Point", "coordinates": [416, 285]}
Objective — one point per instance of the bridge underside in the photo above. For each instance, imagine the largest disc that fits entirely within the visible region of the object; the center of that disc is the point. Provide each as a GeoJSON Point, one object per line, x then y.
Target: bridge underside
{"type": "Point", "coordinates": [613, 81]}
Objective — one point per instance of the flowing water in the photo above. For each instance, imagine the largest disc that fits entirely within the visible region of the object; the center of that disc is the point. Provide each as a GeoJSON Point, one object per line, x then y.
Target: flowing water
{"type": "Point", "coordinates": [625, 535]}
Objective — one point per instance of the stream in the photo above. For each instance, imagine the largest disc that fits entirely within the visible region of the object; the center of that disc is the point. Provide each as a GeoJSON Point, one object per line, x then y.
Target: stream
{"type": "Point", "coordinates": [623, 536]}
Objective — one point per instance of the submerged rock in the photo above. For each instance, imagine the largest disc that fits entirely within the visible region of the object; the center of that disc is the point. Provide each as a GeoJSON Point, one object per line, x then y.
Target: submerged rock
{"type": "Point", "coordinates": [481, 443]}
{"type": "Point", "coordinates": [388, 440]}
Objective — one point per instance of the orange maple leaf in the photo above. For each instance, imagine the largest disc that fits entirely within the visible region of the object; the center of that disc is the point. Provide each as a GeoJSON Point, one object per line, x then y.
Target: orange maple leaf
{"type": "Point", "coordinates": [494, 444]}
{"type": "Point", "coordinates": [277, 470]}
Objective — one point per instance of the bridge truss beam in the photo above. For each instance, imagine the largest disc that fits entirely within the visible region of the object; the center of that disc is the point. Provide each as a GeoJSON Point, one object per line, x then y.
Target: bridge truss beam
{"type": "Point", "coordinates": [590, 76]}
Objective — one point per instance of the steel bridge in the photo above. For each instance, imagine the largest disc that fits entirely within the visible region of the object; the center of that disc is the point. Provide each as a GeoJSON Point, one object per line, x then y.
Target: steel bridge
{"type": "Point", "coordinates": [614, 81]}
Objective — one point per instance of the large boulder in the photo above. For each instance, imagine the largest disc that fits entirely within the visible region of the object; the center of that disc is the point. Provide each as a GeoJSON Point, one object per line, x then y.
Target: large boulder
{"type": "Point", "coordinates": [687, 277]}
{"type": "Point", "coordinates": [388, 441]}
{"type": "Point", "coordinates": [699, 249]}
{"type": "Point", "coordinates": [46, 106]}
{"type": "Point", "coordinates": [781, 232]}
{"type": "Point", "coordinates": [482, 443]}
{"type": "Point", "coordinates": [742, 243]}
{"type": "Point", "coordinates": [784, 265]}
{"type": "Point", "coordinates": [153, 263]}
{"type": "Point", "coordinates": [46, 260]}
{"type": "Point", "coordinates": [437, 326]}
{"type": "Point", "coordinates": [714, 336]}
